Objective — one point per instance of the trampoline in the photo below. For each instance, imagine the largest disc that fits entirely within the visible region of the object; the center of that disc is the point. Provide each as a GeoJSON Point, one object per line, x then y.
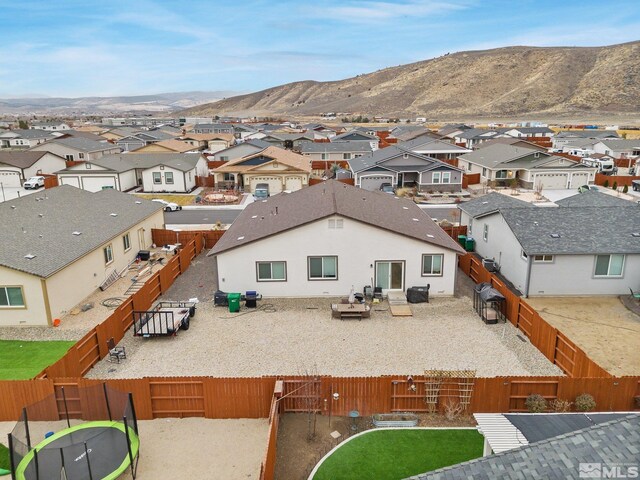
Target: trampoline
{"type": "Point", "coordinates": [96, 449]}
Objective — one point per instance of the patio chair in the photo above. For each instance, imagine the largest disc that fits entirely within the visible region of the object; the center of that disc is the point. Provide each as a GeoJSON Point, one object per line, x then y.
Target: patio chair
{"type": "Point", "coordinates": [635, 295]}
{"type": "Point", "coordinates": [377, 293]}
{"type": "Point", "coordinates": [115, 353]}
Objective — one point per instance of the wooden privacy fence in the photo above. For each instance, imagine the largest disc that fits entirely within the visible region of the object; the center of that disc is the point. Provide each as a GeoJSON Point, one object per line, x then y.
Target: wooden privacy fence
{"type": "Point", "coordinates": [268, 467]}
{"type": "Point", "coordinates": [207, 397]}
{"type": "Point", "coordinates": [470, 179]}
{"type": "Point", "coordinates": [621, 180]}
{"type": "Point", "coordinates": [348, 181]}
{"type": "Point", "coordinates": [91, 348]}
{"type": "Point", "coordinates": [170, 237]}
{"type": "Point", "coordinates": [208, 181]}
{"type": "Point", "coordinates": [549, 340]}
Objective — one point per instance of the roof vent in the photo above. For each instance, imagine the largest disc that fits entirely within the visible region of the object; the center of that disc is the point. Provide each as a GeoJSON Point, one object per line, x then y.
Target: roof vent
{"type": "Point", "coordinates": [555, 235]}
{"type": "Point", "coordinates": [138, 202]}
{"type": "Point", "coordinates": [29, 256]}
{"type": "Point", "coordinates": [241, 238]}
{"type": "Point", "coordinates": [635, 234]}
{"type": "Point", "coordinates": [405, 208]}
{"type": "Point", "coordinates": [41, 215]}
{"type": "Point", "coordinates": [264, 201]}
{"type": "Point", "coordinates": [416, 220]}
{"type": "Point", "coordinates": [254, 216]}
{"type": "Point", "coordinates": [485, 203]}
{"type": "Point", "coordinates": [76, 233]}
{"type": "Point", "coordinates": [13, 207]}
{"type": "Point", "coordinates": [113, 214]}
{"type": "Point", "coordinates": [430, 236]}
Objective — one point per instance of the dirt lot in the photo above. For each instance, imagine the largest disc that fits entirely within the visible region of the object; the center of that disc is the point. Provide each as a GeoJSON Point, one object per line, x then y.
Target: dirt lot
{"type": "Point", "coordinates": [290, 336]}
{"type": "Point", "coordinates": [602, 326]}
{"type": "Point", "coordinates": [297, 454]}
{"type": "Point", "coordinates": [192, 448]}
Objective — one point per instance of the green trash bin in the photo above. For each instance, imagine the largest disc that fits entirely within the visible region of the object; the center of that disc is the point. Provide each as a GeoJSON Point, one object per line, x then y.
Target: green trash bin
{"type": "Point", "coordinates": [234, 302]}
{"type": "Point", "coordinates": [462, 239]}
{"type": "Point", "coordinates": [469, 244]}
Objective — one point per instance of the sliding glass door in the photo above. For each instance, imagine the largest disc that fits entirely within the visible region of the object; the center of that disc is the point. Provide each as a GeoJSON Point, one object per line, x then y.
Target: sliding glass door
{"type": "Point", "coordinates": [390, 275]}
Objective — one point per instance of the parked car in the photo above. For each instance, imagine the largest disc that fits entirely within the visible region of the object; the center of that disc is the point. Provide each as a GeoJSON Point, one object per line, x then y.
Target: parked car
{"type": "Point", "coordinates": [168, 206]}
{"type": "Point", "coordinates": [387, 188]}
{"type": "Point", "coordinates": [261, 191]}
{"type": "Point", "coordinates": [585, 188]}
{"type": "Point", "coordinates": [34, 183]}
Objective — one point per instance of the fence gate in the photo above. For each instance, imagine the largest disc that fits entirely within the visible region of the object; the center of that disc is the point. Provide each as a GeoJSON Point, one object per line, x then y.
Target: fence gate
{"type": "Point", "coordinates": [302, 395]}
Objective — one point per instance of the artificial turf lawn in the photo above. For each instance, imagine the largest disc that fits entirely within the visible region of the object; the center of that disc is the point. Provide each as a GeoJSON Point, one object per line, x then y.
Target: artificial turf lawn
{"type": "Point", "coordinates": [4, 457]}
{"type": "Point", "coordinates": [21, 360]}
{"type": "Point", "coordinates": [398, 454]}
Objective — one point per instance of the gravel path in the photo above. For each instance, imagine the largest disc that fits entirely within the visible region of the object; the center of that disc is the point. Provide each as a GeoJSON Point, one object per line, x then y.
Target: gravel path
{"type": "Point", "coordinates": [298, 335]}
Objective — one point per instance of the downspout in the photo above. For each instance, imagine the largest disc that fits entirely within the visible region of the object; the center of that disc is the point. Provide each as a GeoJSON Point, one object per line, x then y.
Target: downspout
{"type": "Point", "coordinates": [528, 279]}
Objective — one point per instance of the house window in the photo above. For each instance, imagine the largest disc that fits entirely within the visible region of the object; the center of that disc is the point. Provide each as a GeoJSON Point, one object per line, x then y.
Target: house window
{"type": "Point", "coordinates": [435, 177]}
{"type": "Point", "coordinates": [229, 177]}
{"type": "Point", "coordinates": [323, 268]}
{"type": "Point", "coordinates": [501, 174]}
{"type": "Point", "coordinates": [168, 177]}
{"type": "Point", "coordinates": [126, 242]}
{"type": "Point", "coordinates": [80, 155]}
{"type": "Point", "coordinates": [157, 178]}
{"type": "Point", "coordinates": [189, 176]}
{"type": "Point", "coordinates": [446, 177]}
{"type": "Point", "coordinates": [336, 223]}
{"type": "Point", "coordinates": [543, 258]}
{"type": "Point", "coordinates": [609, 265]}
{"type": "Point", "coordinates": [324, 156]}
{"type": "Point", "coordinates": [271, 271]}
{"type": "Point", "coordinates": [87, 166]}
{"type": "Point", "coordinates": [69, 157]}
{"type": "Point", "coordinates": [485, 232]}
{"type": "Point", "coordinates": [484, 172]}
{"type": "Point", "coordinates": [470, 226]}
{"type": "Point", "coordinates": [432, 265]}
{"type": "Point", "coordinates": [524, 255]}
{"type": "Point", "coordinates": [108, 254]}
{"type": "Point", "coordinates": [224, 158]}
{"type": "Point", "coordinates": [11, 297]}
{"type": "Point", "coordinates": [346, 156]}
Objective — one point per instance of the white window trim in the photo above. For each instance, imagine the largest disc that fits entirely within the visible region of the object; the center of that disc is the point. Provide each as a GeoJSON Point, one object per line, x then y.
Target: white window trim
{"type": "Point", "coordinates": [441, 265]}
{"type": "Point", "coordinates": [170, 175]}
{"type": "Point", "coordinates": [270, 263]}
{"type": "Point", "coordinates": [485, 232]}
{"type": "Point", "coordinates": [159, 176]}
{"type": "Point", "coordinates": [108, 254]}
{"type": "Point", "coordinates": [126, 240]}
{"type": "Point", "coordinates": [446, 177]}
{"type": "Point", "coordinates": [608, 275]}
{"type": "Point", "coordinates": [523, 255]}
{"type": "Point", "coordinates": [435, 177]}
{"type": "Point", "coordinates": [322, 278]}
{"type": "Point", "coordinates": [543, 259]}
{"type": "Point", "coordinates": [13, 307]}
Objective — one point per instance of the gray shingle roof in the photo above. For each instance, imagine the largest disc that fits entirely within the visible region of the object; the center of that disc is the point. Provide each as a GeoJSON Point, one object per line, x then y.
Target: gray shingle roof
{"type": "Point", "coordinates": [581, 230]}
{"type": "Point", "coordinates": [477, 133]}
{"type": "Point", "coordinates": [490, 203]}
{"type": "Point", "coordinates": [355, 146]}
{"type": "Point", "coordinates": [21, 159]}
{"type": "Point", "coordinates": [128, 161]}
{"type": "Point", "coordinates": [620, 144]}
{"type": "Point", "coordinates": [33, 134]}
{"type": "Point", "coordinates": [416, 161]}
{"type": "Point", "coordinates": [304, 206]}
{"type": "Point", "coordinates": [495, 155]}
{"type": "Point", "coordinates": [587, 134]}
{"type": "Point", "coordinates": [614, 442]}
{"type": "Point", "coordinates": [592, 198]}
{"type": "Point", "coordinates": [83, 144]}
{"type": "Point", "coordinates": [433, 145]}
{"type": "Point", "coordinates": [50, 237]}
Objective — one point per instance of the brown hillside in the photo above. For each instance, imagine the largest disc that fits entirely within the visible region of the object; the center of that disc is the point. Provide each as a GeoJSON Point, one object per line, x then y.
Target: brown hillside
{"type": "Point", "coordinates": [501, 82]}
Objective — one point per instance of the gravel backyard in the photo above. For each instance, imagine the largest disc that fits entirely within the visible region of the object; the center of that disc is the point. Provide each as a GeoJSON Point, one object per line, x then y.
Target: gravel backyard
{"type": "Point", "coordinates": [293, 336]}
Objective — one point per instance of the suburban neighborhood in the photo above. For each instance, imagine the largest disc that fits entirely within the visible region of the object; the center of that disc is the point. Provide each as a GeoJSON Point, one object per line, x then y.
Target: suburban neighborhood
{"type": "Point", "coordinates": [287, 268]}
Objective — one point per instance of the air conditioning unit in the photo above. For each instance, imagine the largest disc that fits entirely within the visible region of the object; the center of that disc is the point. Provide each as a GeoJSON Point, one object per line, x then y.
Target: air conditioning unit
{"type": "Point", "coordinates": [490, 264]}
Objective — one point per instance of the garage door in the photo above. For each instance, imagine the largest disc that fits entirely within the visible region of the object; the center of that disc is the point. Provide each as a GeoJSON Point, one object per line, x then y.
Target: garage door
{"type": "Point", "coordinates": [552, 181]}
{"type": "Point", "coordinates": [73, 181]}
{"type": "Point", "coordinates": [578, 179]}
{"type": "Point", "coordinates": [293, 183]}
{"type": "Point", "coordinates": [275, 184]}
{"type": "Point", "coordinates": [374, 182]}
{"type": "Point", "coordinates": [95, 184]}
{"type": "Point", "coordinates": [9, 179]}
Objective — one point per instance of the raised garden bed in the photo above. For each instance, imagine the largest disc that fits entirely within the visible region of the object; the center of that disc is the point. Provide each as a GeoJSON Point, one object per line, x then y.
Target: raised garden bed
{"type": "Point", "coordinates": [386, 420]}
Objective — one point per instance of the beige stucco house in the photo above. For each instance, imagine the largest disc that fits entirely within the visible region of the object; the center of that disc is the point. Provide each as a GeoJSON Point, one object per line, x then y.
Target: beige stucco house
{"type": "Point", "coordinates": [54, 254]}
{"type": "Point", "coordinates": [280, 169]}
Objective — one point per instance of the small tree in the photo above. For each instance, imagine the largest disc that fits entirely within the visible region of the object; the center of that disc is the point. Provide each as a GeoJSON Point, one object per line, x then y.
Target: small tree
{"type": "Point", "coordinates": [558, 405]}
{"type": "Point", "coordinates": [606, 184]}
{"type": "Point", "coordinates": [22, 125]}
{"type": "Point", "coordinates": [625, 189]}
{"type": "Point", "coordinates": [585, 403]}
{"type": "Point", "coordinates": [615, 185]}
{"type": "Point", "coordinates": [535, 403]}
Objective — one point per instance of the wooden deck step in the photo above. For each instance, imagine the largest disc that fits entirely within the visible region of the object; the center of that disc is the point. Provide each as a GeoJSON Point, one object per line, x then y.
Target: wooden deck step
{"type": "Point", "coordinates": [401, 310]}
{"type": "Point", "coordinates": [396, 298]}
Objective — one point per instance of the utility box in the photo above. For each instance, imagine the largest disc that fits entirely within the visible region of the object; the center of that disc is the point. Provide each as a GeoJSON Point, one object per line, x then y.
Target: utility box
{"type": "Point", "coordinates": [234, 302]}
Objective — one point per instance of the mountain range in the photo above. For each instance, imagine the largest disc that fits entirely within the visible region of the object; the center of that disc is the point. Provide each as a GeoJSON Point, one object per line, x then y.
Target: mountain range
{"type": "Point", "coordinates": [504, 82]}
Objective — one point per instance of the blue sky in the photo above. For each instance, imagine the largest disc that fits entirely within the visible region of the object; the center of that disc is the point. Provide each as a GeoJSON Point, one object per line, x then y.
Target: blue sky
{"type": "Point", "coordinates": [81, 48]}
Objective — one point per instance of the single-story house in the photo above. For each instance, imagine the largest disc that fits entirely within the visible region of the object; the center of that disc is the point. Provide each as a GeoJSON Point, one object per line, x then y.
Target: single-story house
{"type": "Point", "coordinates": [514, 142]}
{"type": "Point", "coordinates": [58, 250]}
{"type": "Point", "coordinates": [117, 133]}
{"type": "Point", "coordinates": [502, 164]}
{"type": "Point", "coordinates": [473, 137]}
{"type": "Point", "coordinates": [452, 130]}
{"type": "Point", "coordinates": [404, 133]}
{"type": "Point", "coordinates": [167, 146]}
{"type": "Point", "coordinates": [336, 151]}
{"type": "Point", "coordinates": [358, 135]}
{"type": "Point", "coordinates": [280, 169]}
{"type": "Point", "coordinates": [618, 148]}
{"type": "Point", "coordinates": [561, 139]}
{"type": "Point", "coordinates": [53, 126]}
{"type": "Point", "coordinates": [18, 166]}
{"type": "Point", "coordinates": [213, 128]}
{"type": "Point", "coordinates": [291, 141]}
{"type": "Point", "coordinates": [404, 168]}
{"type": "Point", "coordinates": [552, 446]}
{"type": "Point", "coordinates": [77, 149]}
{"type": "Point", "coordinates": [344, 237]}
{"type": "Point", "coordinates": [526, 132]}
{"type": "Point", "coordinates": [239, 150]}
{"type": "Point", "coordinates": [24, 138]}
{"type": "Point", "coordinates": [591, 247]}
{"type": "Point", "coordinates": [213, 142]}
{"type": "Point", "coordinates": [142, 139]}
{"type": "Point", "coordinates": [154, 172]}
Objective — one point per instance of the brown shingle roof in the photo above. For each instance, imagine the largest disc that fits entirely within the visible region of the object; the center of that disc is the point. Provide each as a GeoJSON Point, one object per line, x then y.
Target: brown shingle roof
{"type": "Point", "coordinates": [174, 145]}
{"type": "Point", "coordinates": [286, 157]}
{"type": "Point", "coordinates": [21, 159]}
{"type": "Point", "coordinates": [260, 220]}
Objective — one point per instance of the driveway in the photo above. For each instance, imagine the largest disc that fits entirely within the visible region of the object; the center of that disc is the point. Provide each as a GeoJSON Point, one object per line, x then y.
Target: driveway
{"type": "Point", "coordinates": [602, 326]}
{"type": "Point", "coordinates": [9, 193]}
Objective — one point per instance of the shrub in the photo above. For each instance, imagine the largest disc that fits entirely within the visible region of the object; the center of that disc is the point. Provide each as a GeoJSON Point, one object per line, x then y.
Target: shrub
{"type": "Point", "coordinates": [615, 185]}
{"type": "Point", "coordinates": [606, 184]}
{"type": "Point", "coordinates": [535, 403]}
{"type": "Point", "coordinates": [625, 189]}
{"type": "Point", "coordinates": [452, 410]}
{"type": "Point", "coordinates": [585, 403]}
{"type": "Point", "coordinates": [558, 405]}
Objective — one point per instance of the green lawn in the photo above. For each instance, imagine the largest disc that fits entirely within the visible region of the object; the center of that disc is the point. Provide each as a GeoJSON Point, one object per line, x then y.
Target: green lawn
{"type": "Point", "coordinates": [398, 454]}
{"type": "Point", "coordinates": [21, 360]}
{"type": "Point", "coordinates": [4, 458]}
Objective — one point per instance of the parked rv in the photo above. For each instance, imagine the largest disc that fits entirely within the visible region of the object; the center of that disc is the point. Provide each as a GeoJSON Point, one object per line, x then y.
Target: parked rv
{"type": "Point", "coordinates": [605, 166]}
